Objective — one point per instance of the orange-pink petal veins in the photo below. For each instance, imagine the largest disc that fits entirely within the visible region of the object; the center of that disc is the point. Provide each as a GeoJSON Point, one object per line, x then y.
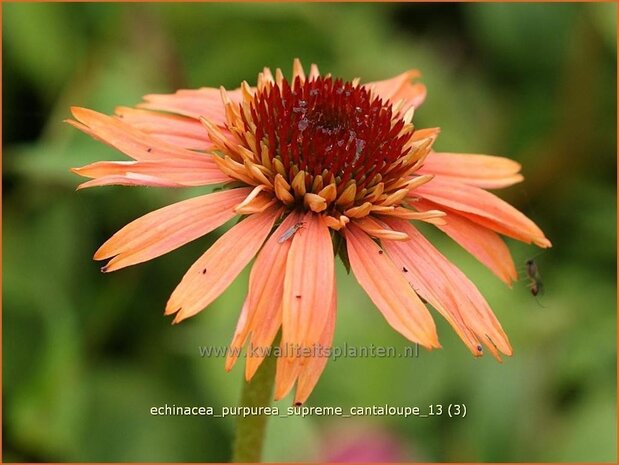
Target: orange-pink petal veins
{"type": "Point", "coordinates": [262, 337]}
{"type": "Point", "coordinates": [485, 245]}
{"type": "Point", "coordinates": [176, 130]}
{"type": "Point", "coordinates": [425, 133]}
{"type": "Point", "coordinates": [213, 272]}
{"type": "Point", "coordinates": [194, 103]}
{"type": "Point", "coordinates": [388, 289]}
{"type": "Point", "coordinates": [481, 316]}
{"type": "Point", "coordinates": [485, 171]}
{"type": "Point", "coordinates": [266, 287]}
{"type": "Point", "coordinates": [442, 285]}
{"type": "Point", "coordinates": [175, 172]}
{"type": "Point", "coordinates": [287, 371]}
{"type": "Point", "coordinates": [168, 228]}
{"type": "Point", "coordinates": [309, 282]}
{"type": "Point", "coordinates": [401, 87]}
{"type": "Point", "coordinates": [311, 371]}
{"type": "Point", "coordinates": [376, 229]}
{"type": "Point", "coordinates": [129, 179]}
{"type": "Point", "coordinates": [483, 208]}
{"type": "Point", "coordinates": [127, 139]}
{"type": "Point", "coordinates": [257, 201]}
{"type": "Point", "coordinates": [240, 334]}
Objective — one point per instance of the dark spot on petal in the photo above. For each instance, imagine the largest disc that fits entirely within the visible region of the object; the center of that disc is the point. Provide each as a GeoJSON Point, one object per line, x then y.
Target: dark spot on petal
{"type": "Point", "coordinates": [380, 252]}
{"type": "Point", "coordinates": [405, 269]}
{"type": "Point", "coordinates": [298, 296]}
{"type": "Point", "coordinates": [480, 348]}
{"type": "Point", "coordinates": [149, 149]}
{"type": "Point", "coordinates": [298, 404]}
{"type": "Point", "coordinates": [204, 271]}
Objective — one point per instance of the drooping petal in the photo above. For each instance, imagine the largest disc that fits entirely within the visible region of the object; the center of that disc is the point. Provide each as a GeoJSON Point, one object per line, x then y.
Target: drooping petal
{"type": "Point", "coordinates": [194, 103]}
{"type": "Point", "coordinates": [174, 172]}
{"type": "Point", "coordinates": [262, 310]}
{"type": "Point", "coordinates": [485, 245]}
{"type": "Point", "coordinates": [168, 228]}
{"type": "Point", "coordinates": [127, 139]}
{"type": "Point", "coordinates": [305, 362]}
{"type": "Point", "coordinates": [181, 131]}
{"type": "Point", "coordinates": [213, 272]}
{"type": "Point", "coordinates": [309, 282]}
{"type": "Point", "coordinates": [485, 171]}
{"type": "Point", "coordinates": [261, 340]}
{"type": "Point", "coordinates": [287, 370]}
{"type": "Point", "coordinates": [401, 87]}
{"type": "Point", "coordinates": [313, 368]}
{"type": "Point", "coordinates": [483, 208]}
{"type": "Point", "coordinates": [447, 289]}
{"type": "Point", "coordinates": [240, 334]}
{"type": "Point", "coordinates": [388, 289]}
{"type": "Point", "coordinates": [266, 289]}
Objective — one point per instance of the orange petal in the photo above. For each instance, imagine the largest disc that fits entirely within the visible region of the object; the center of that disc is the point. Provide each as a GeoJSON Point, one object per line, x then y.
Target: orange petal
{"type": "Point", "coordinates": [483, 208]}
{"type": "Point", "coordinates": [447, 289]}
{"type": "Point", "coordinates": [194, 103]}
{"type": "Point", "coordinates": [129, 179]}
{"type": "Point", "coordinates": [257, 201]}
{"type": "Point", "coordinates": [309, 281]}
{"type": "Point", "coordinates": [287, 371]}
{"type": "Point", "coordinates": [176, 130]}
{"type": "Point", "coordinates": [479, 241]}
{"type": "Point", "coordinates": [168, 228]}
{"type": "Point", "coordinates": [375, 229]}
{"type": "Point", "coordinates": [425, 133]}
{"type": "Point", "coordinates": [429, 216]}
{"type": "Point", "coordinates": [213, 272]}
{"type": "Point", "coordinates": [401, 88]}
{"type": "Point", "coordinates": [314, 367]}
{"type": "Point", "coordinates": [388, 289]}
{"type": "Point", "coordinates": [262, 337]}
{"type": "Point", "coordinates": [176, 172]}
{"type": "Point", "coordinates": [266, 288]}
{"type": "Point", "coordinates": [127, 139]}
{"type": "Point", "coordinates": [485, 171]}
{"type": "Point", "coordinates": [240, 334]}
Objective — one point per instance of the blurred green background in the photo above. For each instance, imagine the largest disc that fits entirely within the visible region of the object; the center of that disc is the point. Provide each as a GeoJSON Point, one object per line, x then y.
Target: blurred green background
{"type": "Point", "coordinates": [86, 355]}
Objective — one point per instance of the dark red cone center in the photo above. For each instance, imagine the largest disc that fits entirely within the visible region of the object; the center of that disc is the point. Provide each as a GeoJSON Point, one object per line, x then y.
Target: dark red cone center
{"type": "Point", "coordinates": [326, 126]}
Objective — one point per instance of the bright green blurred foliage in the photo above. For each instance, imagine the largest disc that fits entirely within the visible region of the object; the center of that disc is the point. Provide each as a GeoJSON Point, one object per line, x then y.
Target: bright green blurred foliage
{"type": "Point", "coordinates": [86, 355]}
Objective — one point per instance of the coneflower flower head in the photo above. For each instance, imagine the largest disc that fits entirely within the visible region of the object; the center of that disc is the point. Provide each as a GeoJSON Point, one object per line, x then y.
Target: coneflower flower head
{"type": "Point", "coordinates": [318, 166]}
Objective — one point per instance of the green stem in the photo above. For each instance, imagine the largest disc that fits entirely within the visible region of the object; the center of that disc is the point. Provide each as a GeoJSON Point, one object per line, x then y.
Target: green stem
{"type": "Point", "coordinates": [251, 429]}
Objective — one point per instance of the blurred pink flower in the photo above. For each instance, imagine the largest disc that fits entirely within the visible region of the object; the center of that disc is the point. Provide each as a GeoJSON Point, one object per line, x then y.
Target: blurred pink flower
{"type": "Point", "coordinates": [364, 444]}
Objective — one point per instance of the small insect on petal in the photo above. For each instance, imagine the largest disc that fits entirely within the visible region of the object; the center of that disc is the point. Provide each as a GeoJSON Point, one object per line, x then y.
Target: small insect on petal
{"type": "Point", "coordinates": [290, 232]}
